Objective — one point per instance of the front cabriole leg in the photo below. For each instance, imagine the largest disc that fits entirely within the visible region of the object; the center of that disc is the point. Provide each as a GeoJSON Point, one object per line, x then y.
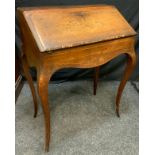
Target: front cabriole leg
{"type": "Point", "coordinates": [43, 77]}
{"type": "Point", "coordinates": [129, 69]}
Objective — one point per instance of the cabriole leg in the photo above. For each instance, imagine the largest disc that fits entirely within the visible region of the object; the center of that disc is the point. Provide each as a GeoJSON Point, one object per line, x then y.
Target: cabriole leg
{"type": "Point", "coordinates": [129, 68]}
{"type": "Point", "coordinates": [43, 77]}
{"type": "Point", "coordinates": [30, 82]}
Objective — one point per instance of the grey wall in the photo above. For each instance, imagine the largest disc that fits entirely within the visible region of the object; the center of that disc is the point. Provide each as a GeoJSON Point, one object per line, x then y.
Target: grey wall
{"type": "Point", "coordinates": [113, 70]}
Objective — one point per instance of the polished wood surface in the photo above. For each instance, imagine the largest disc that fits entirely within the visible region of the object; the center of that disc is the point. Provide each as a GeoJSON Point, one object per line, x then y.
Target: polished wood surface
{"type": "Point", "coordinates": [57, 28]}
{"type": "Point", "coordinates": [77, 37]}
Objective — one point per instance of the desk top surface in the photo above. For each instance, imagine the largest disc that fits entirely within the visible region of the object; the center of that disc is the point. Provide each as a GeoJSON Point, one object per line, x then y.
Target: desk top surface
{"type": "Point", "coordinates": [62, 27]}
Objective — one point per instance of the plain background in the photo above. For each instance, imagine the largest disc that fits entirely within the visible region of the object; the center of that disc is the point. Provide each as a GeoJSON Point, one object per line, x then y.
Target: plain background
{"type": "Point", "coordinates": [112, 70]}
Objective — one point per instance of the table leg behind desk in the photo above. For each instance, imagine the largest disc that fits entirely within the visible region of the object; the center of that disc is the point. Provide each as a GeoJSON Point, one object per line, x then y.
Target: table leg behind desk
{"type": "Point", "coordinates": [96, 78]}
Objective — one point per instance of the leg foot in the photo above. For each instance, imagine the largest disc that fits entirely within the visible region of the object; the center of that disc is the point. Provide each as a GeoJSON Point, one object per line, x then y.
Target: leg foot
{"type": "Point", "coordinates": [117, 112]}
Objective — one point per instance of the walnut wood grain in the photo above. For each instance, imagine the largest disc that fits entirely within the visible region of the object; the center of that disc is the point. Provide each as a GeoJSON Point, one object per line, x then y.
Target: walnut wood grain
{"type": "Point", "coordinates": [78, 37]}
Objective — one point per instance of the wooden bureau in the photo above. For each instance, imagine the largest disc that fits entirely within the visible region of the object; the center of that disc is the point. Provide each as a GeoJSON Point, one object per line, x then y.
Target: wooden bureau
{"type": "Point", "coordinates": [72, 36]}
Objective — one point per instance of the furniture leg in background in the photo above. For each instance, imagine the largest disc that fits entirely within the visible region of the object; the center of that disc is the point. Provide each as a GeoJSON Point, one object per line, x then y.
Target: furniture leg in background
{"type": "Point", "coordinates": [96, 78]}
